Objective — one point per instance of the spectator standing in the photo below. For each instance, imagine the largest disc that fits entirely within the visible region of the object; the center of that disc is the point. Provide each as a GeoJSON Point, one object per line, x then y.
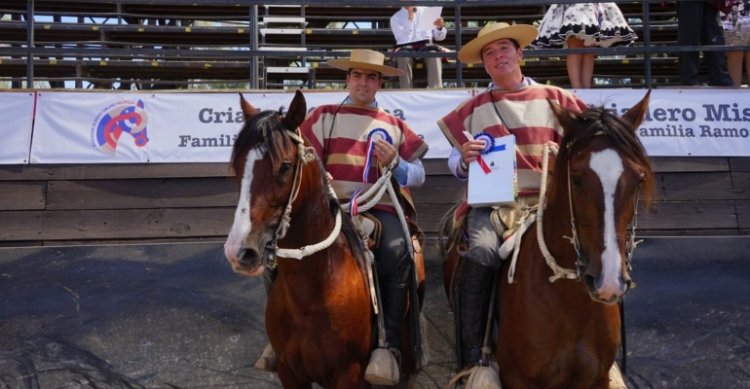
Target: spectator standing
{"type": "Point", "coordinates": [583, 25]}
{"type": "Point", "coordinates": [737, 33]}
{"type": "Point", "coordinates": [405, 26]}
{"type": "Point", "coordinates": [698, 23]}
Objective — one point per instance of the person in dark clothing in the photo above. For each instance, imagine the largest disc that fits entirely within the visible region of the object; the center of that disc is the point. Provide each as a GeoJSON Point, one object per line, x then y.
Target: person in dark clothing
{"type": "Point", "coordinates": [699, 24]}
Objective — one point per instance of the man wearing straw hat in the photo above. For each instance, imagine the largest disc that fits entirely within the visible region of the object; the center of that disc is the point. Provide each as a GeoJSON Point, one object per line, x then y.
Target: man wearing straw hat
{"type": "Point", "coordinates": [513, 104]}
{"type": "Point", "coordinates": [352, 138]}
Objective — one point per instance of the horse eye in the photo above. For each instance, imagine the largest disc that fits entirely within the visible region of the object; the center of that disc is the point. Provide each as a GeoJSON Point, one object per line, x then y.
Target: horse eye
{"type": "Point", "coordinates": [285, 167]}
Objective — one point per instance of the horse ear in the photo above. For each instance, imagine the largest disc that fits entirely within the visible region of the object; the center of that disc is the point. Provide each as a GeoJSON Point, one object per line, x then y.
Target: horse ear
{"type": "Point", "coordinates": [636, 113]}
{"type": "Point", "coordinates": [564, 116]}
{"type": "Point", "coordinates": [297, 111]}
{"type": "Point", "coordinates": [247, 108]}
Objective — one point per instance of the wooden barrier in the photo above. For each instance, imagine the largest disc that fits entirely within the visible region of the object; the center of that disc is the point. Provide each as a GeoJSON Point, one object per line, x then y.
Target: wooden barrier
{"type": "Point", "coordinates": [73, 204]}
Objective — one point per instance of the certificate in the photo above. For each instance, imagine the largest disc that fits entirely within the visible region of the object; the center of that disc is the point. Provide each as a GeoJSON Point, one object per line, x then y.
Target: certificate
{"type": "Point", "coordinates": [427, 21]}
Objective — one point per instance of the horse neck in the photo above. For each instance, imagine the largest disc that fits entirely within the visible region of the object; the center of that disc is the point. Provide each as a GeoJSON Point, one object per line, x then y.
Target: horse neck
{"type": "Point", "coordinates": [311, 217]}
{"type": "Point", "coordinates": [311, 223]}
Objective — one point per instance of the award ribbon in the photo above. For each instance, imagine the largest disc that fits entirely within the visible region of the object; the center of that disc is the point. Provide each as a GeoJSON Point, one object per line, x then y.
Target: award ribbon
{"type": "Point", "coordinates": [374, 135]}
{"type": "Point", "coordinates": [489, 146]}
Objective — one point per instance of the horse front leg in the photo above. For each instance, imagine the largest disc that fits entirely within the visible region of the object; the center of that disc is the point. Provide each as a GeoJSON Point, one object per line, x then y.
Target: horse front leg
{"type": "Point", "coordinates": [288, 379]}
{"type": "Point", "coordinates": [351, 377]}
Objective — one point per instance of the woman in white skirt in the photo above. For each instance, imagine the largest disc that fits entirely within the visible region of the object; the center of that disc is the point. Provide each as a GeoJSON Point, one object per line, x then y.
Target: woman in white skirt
{"type": "Point", "coordinates": [583, 25]}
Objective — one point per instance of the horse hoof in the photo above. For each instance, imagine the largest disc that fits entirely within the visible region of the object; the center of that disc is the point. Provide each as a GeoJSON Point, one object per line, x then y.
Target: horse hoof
{"type": "Point", "coordinates": [483, 377]}
{"type": "Point", "coordinates": [382, 369]}
{"type": "Point", "coordinates": [267, 360]}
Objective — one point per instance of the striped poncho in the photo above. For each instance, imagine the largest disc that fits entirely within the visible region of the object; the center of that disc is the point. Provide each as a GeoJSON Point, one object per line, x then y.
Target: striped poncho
{"type": "Point", "coordinates": [525, 113]}
{"type": "Point", "coordinates": [339, 135]}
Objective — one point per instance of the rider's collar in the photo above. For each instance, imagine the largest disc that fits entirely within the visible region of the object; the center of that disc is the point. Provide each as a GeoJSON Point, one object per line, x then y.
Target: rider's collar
{"type": "Point", "coordinates": [348, 100]}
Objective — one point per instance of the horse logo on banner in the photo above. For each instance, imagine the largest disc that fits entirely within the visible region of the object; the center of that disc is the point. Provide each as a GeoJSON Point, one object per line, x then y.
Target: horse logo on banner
{"type": "Point", "coordinates": [123, 116]}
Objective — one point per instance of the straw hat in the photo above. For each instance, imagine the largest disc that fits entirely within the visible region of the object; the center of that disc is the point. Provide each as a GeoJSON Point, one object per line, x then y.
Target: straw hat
{"type": "Point", "coordinates": [365, 59]}
{"type": "Point", "coordinates": [521, 33]}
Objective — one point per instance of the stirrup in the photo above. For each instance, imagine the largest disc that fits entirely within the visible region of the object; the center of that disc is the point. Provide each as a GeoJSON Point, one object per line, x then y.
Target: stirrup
{"type": "Point", "coordinates": [267, 359]}
{"type": "Point", "coordinates": [483, 377]}
{"type": "Point", "coordinates": [382, 368]}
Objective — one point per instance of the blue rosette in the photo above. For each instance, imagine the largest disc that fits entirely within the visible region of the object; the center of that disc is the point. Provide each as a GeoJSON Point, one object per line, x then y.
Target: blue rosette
{"type": "Point", "coordinates": [489, 143]}
{"type": "Point", "coordinates": [374, 135]}
{"type": "Point", "coordinates": [379, 133]}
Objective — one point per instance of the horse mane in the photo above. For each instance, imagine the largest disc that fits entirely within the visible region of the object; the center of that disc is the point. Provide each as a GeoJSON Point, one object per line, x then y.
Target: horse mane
{"type": "Point", "coordinates": [596, 121]}
{"type": "Point", "coordinates": [264, 130]}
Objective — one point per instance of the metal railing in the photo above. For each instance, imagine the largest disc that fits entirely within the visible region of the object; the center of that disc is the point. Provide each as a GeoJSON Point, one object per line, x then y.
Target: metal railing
{"type": "Point", "coordinates": [247, 53]}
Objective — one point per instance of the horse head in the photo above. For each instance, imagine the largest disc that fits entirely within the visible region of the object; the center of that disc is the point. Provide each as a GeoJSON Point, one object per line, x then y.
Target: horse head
{"type": "Point", "coordinates": [266, 159]}
{"type": "Point", "coordinates": [600, 172]}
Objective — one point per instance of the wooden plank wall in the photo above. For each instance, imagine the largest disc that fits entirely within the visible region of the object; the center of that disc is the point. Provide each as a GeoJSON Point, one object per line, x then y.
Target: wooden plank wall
{"type": "Point", "coordinates": [74, 204]}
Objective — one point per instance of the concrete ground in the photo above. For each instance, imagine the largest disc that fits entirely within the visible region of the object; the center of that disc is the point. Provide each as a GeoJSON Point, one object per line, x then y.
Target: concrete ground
{"type": "Point", "coordinates": [175, 316]}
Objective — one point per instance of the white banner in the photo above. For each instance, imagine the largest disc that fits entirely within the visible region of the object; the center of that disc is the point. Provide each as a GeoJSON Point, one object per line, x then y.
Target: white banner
{"type": "Point", "coordinates": [186, 127]}
{"type": "Point", "coordinates": [200, 127]}
{"type": "Point", "coordinates": [16, 120]}
{"type": "Point", "coordinates": [685, 122]}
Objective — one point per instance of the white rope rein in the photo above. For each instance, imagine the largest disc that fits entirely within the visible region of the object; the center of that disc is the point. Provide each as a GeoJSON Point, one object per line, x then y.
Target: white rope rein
{"type": "Point", "coordinates": [312, 249]}
{"type": "Point", "coordinates": [525, 222]}
{"type": "Point", "coordinates": [557, 270]}
{"type": "Point", "coordinates": [374, 193]}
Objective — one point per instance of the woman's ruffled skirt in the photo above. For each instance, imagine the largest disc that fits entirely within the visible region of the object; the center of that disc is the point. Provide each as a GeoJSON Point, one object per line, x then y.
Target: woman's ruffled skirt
{"type": "Point", "coordinates": [597, 24]}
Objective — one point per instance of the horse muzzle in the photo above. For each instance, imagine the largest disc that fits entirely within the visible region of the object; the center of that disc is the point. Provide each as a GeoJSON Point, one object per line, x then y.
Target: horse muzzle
{"type": "Point", "coordinates": [248, 262]}
{"type": "Point", "coordinates": [606, 295]}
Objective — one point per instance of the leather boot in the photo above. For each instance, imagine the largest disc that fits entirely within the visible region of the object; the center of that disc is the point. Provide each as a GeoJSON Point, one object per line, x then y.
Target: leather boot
{"type": "Point", "coordinates": [394, 310]}
{"type": "Point", "coordinates": [474, 292]}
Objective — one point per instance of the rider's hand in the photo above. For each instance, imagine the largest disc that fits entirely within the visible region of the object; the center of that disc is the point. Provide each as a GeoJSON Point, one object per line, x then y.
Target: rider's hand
{"type": "Point", "coordinates": [385, 152]}
{"type": "Point", "coordinates": [439, 23]}
{"type": "Point", "coordinates": [470, 151]}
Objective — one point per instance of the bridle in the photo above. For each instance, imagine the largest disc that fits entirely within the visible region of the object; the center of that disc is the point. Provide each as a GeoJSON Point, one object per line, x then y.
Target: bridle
{"type": "Point", "coordinates": [305, 155]}
{"type": "Point", "coordinates": [559, 271]}
{"type": "Point", "coordinates": [630, 242]}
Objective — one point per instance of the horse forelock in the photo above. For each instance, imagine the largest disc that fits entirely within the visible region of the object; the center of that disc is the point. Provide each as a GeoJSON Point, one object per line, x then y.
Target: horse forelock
{"type": "Point", "coordinates": [596, 121]}
{"type": "Point", "coordinates": [265, 131]}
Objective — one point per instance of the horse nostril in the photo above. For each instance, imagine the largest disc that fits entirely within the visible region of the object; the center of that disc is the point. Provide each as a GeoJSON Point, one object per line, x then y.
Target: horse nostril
{"type": "Point", "coordinates": [589, 280]}
{"type": "Point", "coordinates": [248, 257]}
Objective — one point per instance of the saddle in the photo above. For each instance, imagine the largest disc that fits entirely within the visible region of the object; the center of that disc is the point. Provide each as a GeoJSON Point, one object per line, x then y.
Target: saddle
{"type": "Point", "coordinates": [506, 220]}
{"type": "Point", "coordinates": [369, 229]}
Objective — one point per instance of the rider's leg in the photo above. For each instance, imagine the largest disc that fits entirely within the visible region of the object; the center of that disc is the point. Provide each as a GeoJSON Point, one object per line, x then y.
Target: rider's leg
{"type": "Point", "coordinates": [394, 269]}
{"type": "Point", "coordinates": [477, 273]}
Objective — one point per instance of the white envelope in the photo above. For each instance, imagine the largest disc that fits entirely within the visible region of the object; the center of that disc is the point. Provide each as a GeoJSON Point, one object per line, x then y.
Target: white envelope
{"type": "Point", "coordinates": [497, 186]}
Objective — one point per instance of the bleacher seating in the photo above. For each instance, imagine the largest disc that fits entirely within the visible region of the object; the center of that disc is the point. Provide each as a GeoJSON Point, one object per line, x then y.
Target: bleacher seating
{"type": "Point", "coordinates": [169, 44]}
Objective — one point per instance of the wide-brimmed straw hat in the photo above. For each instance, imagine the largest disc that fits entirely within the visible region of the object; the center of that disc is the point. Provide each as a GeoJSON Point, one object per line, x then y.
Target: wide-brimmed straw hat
{"type": "Point", "coordinates": [521, 33]}
{"type": "Point", "coordinates": [365, 59]}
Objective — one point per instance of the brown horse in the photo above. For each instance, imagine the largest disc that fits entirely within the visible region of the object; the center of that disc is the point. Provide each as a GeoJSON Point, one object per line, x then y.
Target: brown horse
{"type": "Point", "coordinates": [561, 328]}
{"type": "Point", "coordinates": [319, 316]}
